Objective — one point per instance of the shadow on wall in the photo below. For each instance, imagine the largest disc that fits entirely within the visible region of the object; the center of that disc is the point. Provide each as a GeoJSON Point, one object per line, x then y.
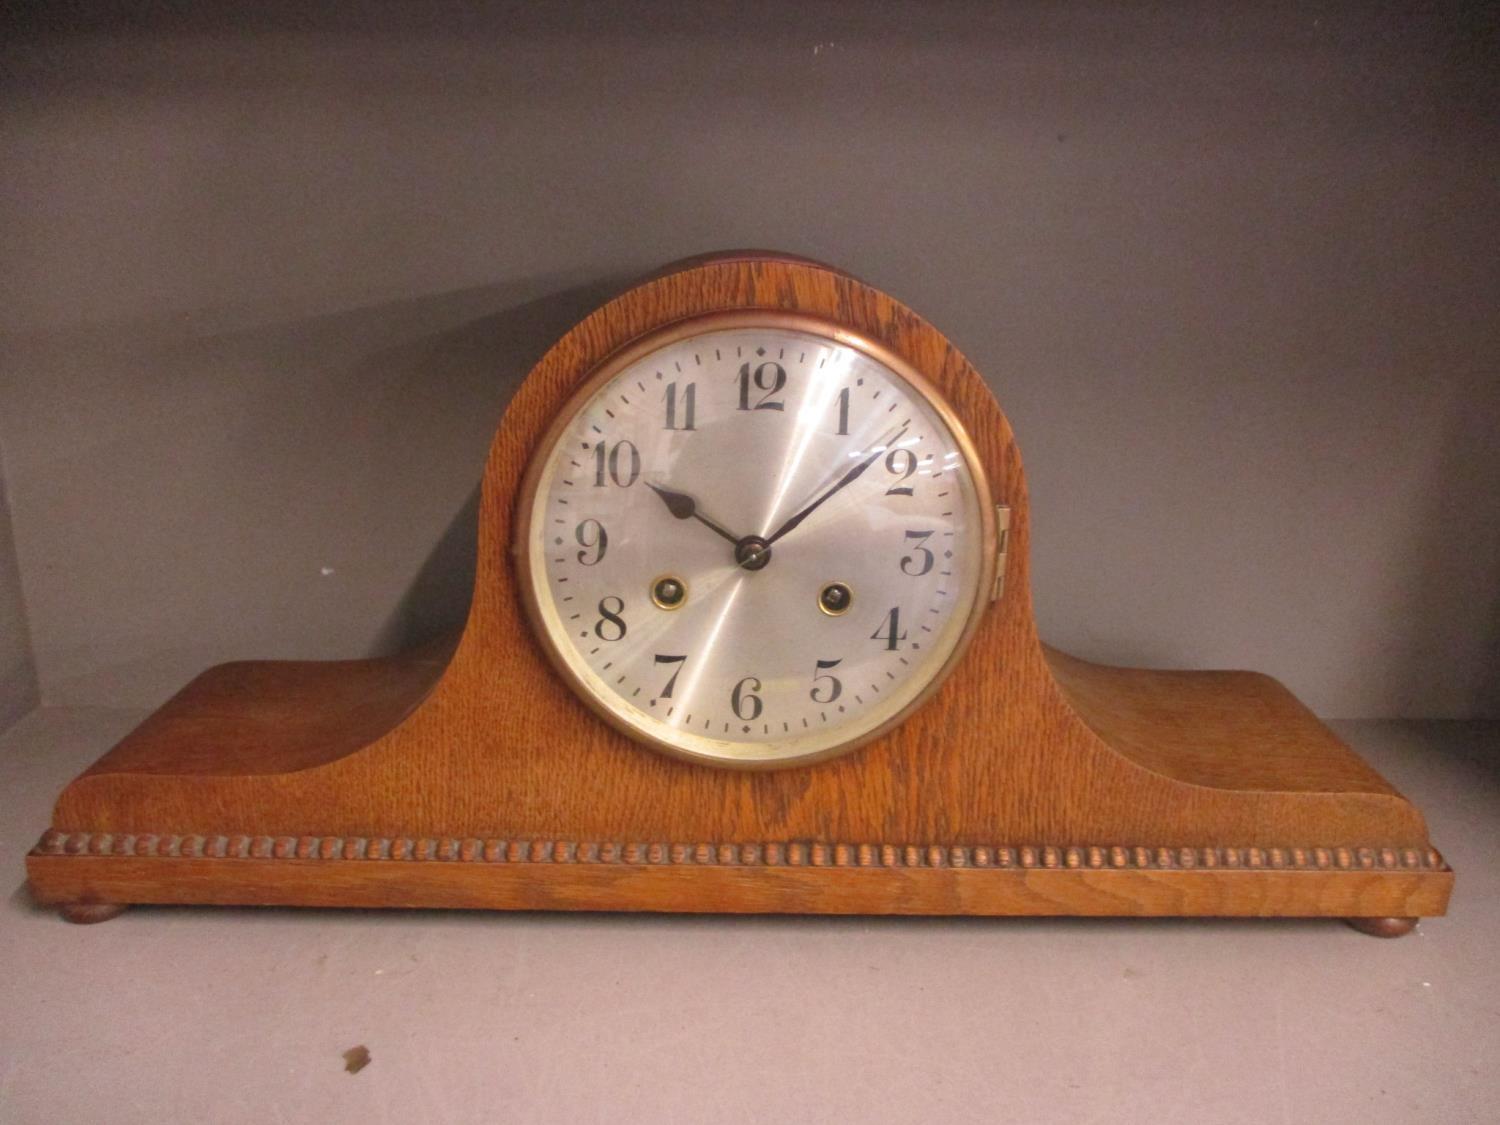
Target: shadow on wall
{"type": "Point", "coordinates": [437, 599]}
{"type": "Point", "coordinates": [1489, 690]}
{"type": "Point", "coordinates": [1439, 582]}
{"type": "Point", "coordinates": [234, 486]}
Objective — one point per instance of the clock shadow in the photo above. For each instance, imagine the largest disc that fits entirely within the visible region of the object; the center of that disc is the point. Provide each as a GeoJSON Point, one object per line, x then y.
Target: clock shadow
{"type": "Point", "coordinates": [477, 367]}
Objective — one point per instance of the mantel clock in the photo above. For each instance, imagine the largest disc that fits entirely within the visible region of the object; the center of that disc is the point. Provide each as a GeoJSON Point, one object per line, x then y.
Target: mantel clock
{"type": "Point", "coordinates": [751, 631]}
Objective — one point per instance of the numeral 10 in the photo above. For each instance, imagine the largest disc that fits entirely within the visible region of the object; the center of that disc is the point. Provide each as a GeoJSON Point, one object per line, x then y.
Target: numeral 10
{"type": "Point", "coordinates": [622, 462]}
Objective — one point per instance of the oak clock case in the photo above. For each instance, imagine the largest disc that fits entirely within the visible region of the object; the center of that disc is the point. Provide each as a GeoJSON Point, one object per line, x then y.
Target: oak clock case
{"type": "Point", "coordinates": [755, 540]}
{"type": "Point", "coordinates": [775, 553]}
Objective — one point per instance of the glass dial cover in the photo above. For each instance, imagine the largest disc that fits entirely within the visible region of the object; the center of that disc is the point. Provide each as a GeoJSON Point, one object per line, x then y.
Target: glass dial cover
{"type": "Point", "coordinates": [754, 539]}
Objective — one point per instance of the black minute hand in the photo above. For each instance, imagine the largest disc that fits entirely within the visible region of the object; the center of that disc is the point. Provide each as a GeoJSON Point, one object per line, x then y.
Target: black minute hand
{"type": "Point", "coordinates": [847, 479]}
{"type": "Point", "coordinates": [684, 507]}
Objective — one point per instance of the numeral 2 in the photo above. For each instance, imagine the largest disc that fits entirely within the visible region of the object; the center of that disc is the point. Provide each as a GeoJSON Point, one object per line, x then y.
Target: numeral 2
{"type": "Point", "coordinates": [902, 462]}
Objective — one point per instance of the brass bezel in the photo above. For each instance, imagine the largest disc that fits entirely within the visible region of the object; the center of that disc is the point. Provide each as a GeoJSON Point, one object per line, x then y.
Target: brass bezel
{"type": "Point", "coordinates": [692, 747]}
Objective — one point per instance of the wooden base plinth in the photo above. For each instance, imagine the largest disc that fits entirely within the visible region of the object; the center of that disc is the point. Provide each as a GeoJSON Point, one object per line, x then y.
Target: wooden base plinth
{"type": "Point", "coordinates": [1363, 885]}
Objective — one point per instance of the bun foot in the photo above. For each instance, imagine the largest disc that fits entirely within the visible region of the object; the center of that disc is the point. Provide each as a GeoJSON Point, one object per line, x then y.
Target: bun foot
{"type": "Point", "coordinates": [1383, 927]}
{"type": "Point", "coordinates": [87, 913]}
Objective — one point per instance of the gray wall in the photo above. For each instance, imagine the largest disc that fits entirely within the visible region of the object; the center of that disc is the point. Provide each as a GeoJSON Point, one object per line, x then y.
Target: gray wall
{"type": "Point", "coordinates": [18, 686]}
{"type": "Point", "coordinates": [268, 284]}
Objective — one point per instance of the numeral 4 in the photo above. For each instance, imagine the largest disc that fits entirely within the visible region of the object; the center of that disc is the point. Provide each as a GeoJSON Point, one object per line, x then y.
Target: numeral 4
{"type": "Point", "coordinates": [889, 630]}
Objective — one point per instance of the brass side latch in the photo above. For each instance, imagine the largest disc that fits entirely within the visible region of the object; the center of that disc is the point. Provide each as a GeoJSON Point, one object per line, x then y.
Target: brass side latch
{"type": "Point", "coordinates": [1002, 543]}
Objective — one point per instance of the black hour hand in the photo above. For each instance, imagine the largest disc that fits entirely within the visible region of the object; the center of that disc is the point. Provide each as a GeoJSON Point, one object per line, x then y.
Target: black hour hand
{"type": "Point", "coordinates": [684, 507]}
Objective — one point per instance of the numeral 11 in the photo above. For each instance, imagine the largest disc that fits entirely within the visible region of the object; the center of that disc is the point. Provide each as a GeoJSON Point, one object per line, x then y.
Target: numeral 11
{"type": "Point", "coordinates": [688, 401]}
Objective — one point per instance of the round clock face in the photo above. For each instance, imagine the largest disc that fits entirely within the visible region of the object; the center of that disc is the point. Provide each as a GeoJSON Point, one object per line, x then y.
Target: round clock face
{"type": "Point", "coordinates": [754, 540]}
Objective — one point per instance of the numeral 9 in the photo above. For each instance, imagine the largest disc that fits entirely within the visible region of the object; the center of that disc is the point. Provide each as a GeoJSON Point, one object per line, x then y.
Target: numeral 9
{"type": "Point", "coordinates": [591, 534]}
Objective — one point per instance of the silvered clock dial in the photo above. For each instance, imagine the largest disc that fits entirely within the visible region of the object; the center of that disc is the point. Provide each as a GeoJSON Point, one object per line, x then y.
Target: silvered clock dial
{"type": "Point", "coordinates": [754, 539]}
